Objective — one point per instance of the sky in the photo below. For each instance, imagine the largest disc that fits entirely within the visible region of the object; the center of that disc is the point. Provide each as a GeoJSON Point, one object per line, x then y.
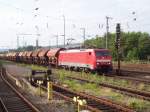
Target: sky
{"type": "Point", "coordinates": [22, 19]}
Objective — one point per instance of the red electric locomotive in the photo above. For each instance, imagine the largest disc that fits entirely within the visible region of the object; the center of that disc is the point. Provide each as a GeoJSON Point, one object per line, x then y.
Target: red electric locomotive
{"type": "Point", "coordinates": [87, 59]}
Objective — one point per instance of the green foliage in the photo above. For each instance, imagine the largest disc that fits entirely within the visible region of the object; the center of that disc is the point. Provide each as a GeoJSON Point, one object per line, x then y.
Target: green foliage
{"type": "Point", "coordinates": [95, 42]}
{"type": "Point", "coordinates": [138, 105]}
{"type": "Point", "coordinates": [132, 54]}
{"type": "Point", "coordinates": [134, 45]}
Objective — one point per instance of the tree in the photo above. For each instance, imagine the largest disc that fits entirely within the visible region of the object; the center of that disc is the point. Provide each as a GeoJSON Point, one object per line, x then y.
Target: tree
{"type": "Point", "coordinates": [134, 45]}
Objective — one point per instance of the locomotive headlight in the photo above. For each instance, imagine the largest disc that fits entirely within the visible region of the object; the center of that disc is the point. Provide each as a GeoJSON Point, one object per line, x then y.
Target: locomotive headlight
{"type": "Point", "coordinates": [97, 63]}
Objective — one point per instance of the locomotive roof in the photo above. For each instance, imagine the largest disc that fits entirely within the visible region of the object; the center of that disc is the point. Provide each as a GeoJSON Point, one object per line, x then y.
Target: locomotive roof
{"type": "Point", "coordinates": [84, 50]}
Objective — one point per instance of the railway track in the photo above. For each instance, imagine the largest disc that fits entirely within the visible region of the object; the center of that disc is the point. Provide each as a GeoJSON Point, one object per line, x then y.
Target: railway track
{"type": "Point", "coordinates": [134, 67]}
{"type": "Point", "coordinates": [132, 73]}
{"type": "Point", "coordinates": [135, 76]}
{"type": "Point", "coordinates": [12, 100]}
{"type": "Point", "coordinates": [135, 79]}
{"type": "Point", "coordinates": [2, 106]}
{"type": "Point", "coordinates": [95, 104]}
{"type": "Point", "coordinates": [128, 91]}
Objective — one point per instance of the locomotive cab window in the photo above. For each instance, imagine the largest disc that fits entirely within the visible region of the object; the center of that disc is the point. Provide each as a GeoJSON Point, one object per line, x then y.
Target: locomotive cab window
{"type": "Point", "coordinates": [102, 53]}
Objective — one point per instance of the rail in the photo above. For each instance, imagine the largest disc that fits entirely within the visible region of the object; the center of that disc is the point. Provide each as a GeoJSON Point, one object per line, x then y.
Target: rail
{"type": "Point", "coordinates": [3, 106]}
{"type": "Point", "coordinates": [12, 91]}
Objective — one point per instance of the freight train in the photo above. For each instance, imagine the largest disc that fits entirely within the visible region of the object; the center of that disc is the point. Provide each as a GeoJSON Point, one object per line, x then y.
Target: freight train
{"type": "Point", "coordinates": [75, 59]}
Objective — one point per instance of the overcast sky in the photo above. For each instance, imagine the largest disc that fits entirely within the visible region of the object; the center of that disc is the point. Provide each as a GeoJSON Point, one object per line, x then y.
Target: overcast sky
{"type": "Point", "coordinates": [20, 17]}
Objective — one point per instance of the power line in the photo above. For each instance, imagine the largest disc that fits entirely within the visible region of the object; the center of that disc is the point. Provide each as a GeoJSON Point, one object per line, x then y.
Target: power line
{"type": "Point", "coordinates": [107, 30]}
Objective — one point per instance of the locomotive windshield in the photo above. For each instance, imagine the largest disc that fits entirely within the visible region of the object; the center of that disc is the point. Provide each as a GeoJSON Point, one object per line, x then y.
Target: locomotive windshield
{"type": "Point", "coordinates": [102, 53]}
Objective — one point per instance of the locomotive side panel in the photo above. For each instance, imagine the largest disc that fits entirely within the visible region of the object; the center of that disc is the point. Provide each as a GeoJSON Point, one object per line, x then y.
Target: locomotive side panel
{"type": "Point", "coordinates": [76, 58]}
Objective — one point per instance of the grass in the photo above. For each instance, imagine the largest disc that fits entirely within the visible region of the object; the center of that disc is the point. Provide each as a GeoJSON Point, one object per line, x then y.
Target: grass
{"type": "Point", "coordinates": [139, 105]}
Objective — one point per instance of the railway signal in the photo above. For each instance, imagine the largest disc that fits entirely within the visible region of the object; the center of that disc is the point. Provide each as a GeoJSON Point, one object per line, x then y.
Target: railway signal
{"type": "Point", "coordinates": [117, 45]}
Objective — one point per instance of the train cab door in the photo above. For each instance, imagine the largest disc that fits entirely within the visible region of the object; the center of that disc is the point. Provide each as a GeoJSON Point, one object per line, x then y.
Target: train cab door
{"type": "Point", "coordinates": [89, 60]}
